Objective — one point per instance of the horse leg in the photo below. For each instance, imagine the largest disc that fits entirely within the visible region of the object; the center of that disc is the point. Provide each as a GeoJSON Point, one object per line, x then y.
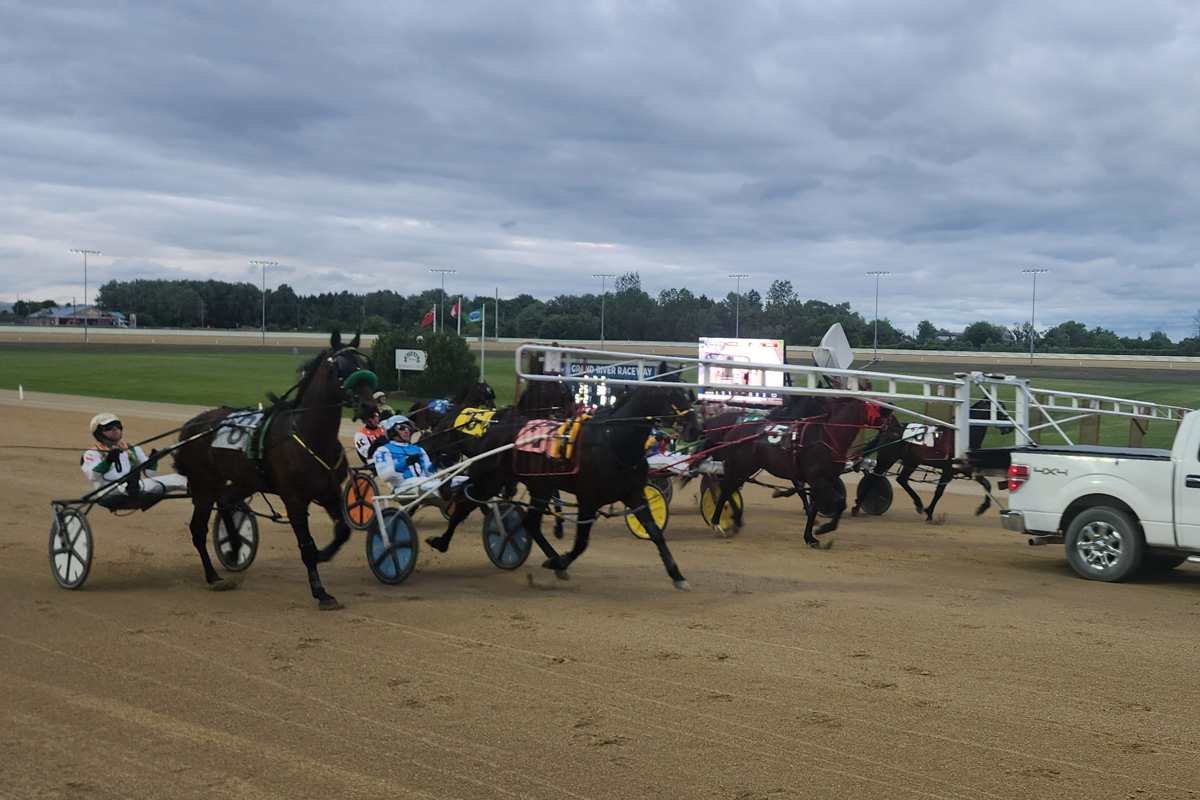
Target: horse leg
{"type": "Point", "coordinates": [201, 514]}
{"type": "Point", "coordinates": [987, 493]}
{"type": "Point", "coordinates": [533, 525]}
{"type": "Point", "coordinates": [463, 507]}
{"type": "Point", "coordinates": [943, 482]}
{"type": "Point", "coordinates": [341, 530]}
{"type": "Point", "coordinates": [810, 521]}
{"type": "Point", "coordinates": [297, 511]}
{"type": "Point", "coordinates": [728, 484]}
{"type": "Point", "coordinates": [656, 535]}
{"type": "Point", "coordinates": [902, 479]}
{"type": "Point", "coordinates": [834, 496]}
{"type": "Point", "coordinates": [558, 516]}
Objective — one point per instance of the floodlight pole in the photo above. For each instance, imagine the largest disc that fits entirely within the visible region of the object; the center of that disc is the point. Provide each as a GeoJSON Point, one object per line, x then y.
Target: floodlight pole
{"type": "Point", "coordinates": [602, 276]}
{"type": "Point", "coordinates": [877, 274]}
{"type": "Point", "coordinates": [85, 253]}
{"type": "Point", "coordinates": [737, 304]}
{"type": "Point", "coordinates": [1033, 308]}
{"type": "Point", "coordinates": [441, 323]}
{"type": "Point", "coordinates": [264, 265]}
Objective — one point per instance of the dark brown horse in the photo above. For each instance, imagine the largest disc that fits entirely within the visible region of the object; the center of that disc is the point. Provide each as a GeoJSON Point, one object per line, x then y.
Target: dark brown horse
{"type": "Point", "coordinates": [547, 400]}
{"type": "Point", "coordinates": [298, 457]}
{"type": "Point", "coordinates": [932, 447]}
{"type": "Point", "coordinates": [810, 451]}
{"type": "Point", "coordinates": [610, 467]}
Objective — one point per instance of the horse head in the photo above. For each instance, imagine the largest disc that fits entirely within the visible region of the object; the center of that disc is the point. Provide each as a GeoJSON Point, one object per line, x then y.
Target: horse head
{"type": "Point", "coordinates": [982, 410]}
{"type": "Point", "coordinates": [355, 380]}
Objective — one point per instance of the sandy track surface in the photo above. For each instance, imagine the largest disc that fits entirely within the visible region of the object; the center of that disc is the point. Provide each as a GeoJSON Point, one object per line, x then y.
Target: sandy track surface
{"type": "Point", "coordinates": [908, 661]}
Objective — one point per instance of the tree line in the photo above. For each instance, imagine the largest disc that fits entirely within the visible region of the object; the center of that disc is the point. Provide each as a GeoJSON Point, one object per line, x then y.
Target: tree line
{"type": "Point", "coordinates": [628, 312]}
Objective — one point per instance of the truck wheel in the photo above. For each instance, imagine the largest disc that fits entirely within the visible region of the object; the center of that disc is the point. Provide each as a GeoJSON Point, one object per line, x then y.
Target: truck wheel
{"type": "Point", "coordinates": [1104, 544]}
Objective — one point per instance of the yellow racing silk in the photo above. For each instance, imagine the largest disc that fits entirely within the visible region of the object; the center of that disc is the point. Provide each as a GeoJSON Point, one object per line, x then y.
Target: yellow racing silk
{"type": "Point", "coordinates": [473, 421]}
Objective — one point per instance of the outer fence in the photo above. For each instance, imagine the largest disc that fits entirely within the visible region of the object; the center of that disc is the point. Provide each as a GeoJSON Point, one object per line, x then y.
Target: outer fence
{"type": "Point", "coordinates": [1034, 413]}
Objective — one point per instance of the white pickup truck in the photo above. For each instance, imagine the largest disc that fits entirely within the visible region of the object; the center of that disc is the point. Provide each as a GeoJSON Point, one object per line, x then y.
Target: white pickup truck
{"type": "Point", "coordinates": [1119, 511]}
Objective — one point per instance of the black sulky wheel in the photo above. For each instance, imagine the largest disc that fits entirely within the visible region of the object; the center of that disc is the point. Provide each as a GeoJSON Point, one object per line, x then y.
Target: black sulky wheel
{"type": "Point", "coordinates": [504, 536]}
{"type": "Point", "coordinates": [236, 549]}
{"type": "Point", "coordinates": [70, 548]}
{"type": "Point", "coordinates": [392, 559]}
{"type": "Point", "coordinates": [665, 486]}
{"type": "Point", "coordinates": [357, 495]}
{"type": "Point", "coordinates": [874, 494]}
{"type": "Point", "coordinates": [658, 511]}
{"type": "Point", "coordinates": [829, 512]}
{"type": "Point", "coordinates": [708, 504]}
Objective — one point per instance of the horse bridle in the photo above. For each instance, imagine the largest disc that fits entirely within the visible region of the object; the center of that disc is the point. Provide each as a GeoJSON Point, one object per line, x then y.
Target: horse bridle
{"type": "Point", "coordinates": [351, 373]}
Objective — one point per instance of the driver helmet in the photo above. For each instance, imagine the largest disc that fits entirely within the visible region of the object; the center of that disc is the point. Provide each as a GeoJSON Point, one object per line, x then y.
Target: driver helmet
{"type": "Point", "coordinates": [397, 422]}
{"type": "Point", "coordinates": [102, 420]}
{"type": "Point", "coordinates": [380, 397]}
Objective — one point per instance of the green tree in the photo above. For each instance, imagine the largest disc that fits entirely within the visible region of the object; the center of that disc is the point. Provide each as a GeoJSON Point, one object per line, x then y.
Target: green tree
{"type": "Point", "coordinates": [982, 333]}
{"type": "Point", "coordinates": [926, 333]}
{"type": "Point", "coordinates": [449, 363]}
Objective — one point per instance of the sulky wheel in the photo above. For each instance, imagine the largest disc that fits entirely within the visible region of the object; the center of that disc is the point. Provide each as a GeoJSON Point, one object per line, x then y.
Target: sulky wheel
{"type": "Point", "coordinates": [70, 548]}
{"type": "Point", "coordinates": [835, 505]}
{"type": "Point", "coordinates": [357, 495]}
{"type": "Point", "coordinates": [236, 549]}
{"type": "Point", "coordinates": [708, 504]}
{"type": "Point", "coordinates": [874, 494]}
{"type": "Point", "coordinates": [392, 548]}
{"type": "Point", "coordinates": [657, 504]}
{"type": "Point", "coordinates": [664, 485]}
{"type": "Point", "coordinates": [504, 536]}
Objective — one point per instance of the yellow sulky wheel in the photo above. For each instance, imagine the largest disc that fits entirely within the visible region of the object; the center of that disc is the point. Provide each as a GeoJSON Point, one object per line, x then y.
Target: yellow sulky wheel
{"type": "Point", "coordinates": [658, 511]}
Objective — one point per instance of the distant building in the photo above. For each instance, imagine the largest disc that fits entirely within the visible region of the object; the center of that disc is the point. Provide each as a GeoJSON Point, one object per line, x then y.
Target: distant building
{"type": "Point", "coordinates": [73, 316]}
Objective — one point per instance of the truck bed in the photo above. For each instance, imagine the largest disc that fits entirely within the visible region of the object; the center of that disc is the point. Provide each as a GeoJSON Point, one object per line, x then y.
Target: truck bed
{"type": "Point", "coordinates": [996, 460]}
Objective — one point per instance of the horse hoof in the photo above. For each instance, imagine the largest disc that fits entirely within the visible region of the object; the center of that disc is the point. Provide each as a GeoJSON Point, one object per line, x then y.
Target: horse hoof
{"type": "Point", "coordinates": [558, 534]}
{"type": "Point", "coordinates": [718, 531]}
{"type": "Point", "coordinates": [562, 575]}
{"type": "Point", "coordinates": [683, 586]}
{"type": "Point", "coordinates": [825, 545]}
{"type": "Point", "coordinates": [221, 585]}
{"type": "Point", "coordinates": [854, 512]}
{"type": "Point", "coordinates": [437, 544]}
{"type": "Point", "coordinates": [329, 603]}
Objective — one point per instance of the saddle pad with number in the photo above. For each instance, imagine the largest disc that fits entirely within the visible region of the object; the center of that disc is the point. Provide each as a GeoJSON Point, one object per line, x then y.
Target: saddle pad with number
{"type": "Point", "coordinates": [238, 431]}
{"type": "Point", "coordinates": [550, 438]}
{"type": "Point", "coordinates": [473, 421]}
{"type": "Point", "coordinates": [924, 435]}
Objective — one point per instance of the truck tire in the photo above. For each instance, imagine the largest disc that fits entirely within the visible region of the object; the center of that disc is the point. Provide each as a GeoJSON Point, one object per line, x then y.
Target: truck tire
{"type": "Point", "coordinates": [1104, 544]}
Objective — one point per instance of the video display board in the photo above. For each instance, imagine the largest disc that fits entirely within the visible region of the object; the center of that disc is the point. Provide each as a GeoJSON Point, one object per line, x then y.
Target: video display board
{"type": "Point", "coordinates": [755, 384]}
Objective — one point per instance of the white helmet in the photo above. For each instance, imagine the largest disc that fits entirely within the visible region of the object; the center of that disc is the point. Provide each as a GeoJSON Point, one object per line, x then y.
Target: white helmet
{"type": "Point", "coordinates": [100, 420]}
{"type": "Point", "coordinates": [396, 421]}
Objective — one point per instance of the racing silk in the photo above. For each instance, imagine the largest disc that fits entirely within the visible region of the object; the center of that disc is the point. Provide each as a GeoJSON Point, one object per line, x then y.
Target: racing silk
{"type": "Point", "coordinates": [96, 467]}
{"type": "Point", "coordinates": [391, 463]}
{"type": "Point", "coordinates": [363, 438]}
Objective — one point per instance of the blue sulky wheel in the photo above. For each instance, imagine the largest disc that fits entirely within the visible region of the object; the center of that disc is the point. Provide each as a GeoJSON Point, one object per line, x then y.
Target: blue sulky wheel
{"type": "Point", "coordinates": [394, 559]}
{"type": "Point", "coordinates": [236, 549]}
{"type": "Point", "coordinates": [504, 536]}
{"type": "Point", "coordinates": [70, 548]}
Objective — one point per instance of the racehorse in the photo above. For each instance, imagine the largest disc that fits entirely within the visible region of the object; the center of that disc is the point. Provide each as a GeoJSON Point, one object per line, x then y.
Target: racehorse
{"type": "Point", "coordinates": [611, 467]}
{"type": "Point", "coordinates": [933, 447]}
{"type": "Point", "coordinates": [810, 451]}
{"type": "Point", "coordinates": [457, 430]}
{"type": "Point", "coordinates": [298, 457]}
{"type": "Point", "coordinates": [547, 400]}
{"type": "Point", "coordinates": [427, 413]}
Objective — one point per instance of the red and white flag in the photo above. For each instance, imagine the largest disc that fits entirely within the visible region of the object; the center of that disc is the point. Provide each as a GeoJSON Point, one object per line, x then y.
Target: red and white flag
{"type": "Point", "coordinates": [454, 311]}
{"type": "Point", "coordinates": [430, 317]}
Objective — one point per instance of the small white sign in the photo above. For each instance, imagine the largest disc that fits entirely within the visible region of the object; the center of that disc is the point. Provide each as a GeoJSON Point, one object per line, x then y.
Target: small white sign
{"type": "Point", "coordinates": [413, 360]}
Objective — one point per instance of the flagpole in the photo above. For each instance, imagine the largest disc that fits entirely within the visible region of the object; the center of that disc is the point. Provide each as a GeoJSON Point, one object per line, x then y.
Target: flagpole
{"type": "Point", "coordinates": [496, 322]}
{"type": "Point", "coordinates": [482, 338]}
{"type": "Point", "coordinates": [458, 308]}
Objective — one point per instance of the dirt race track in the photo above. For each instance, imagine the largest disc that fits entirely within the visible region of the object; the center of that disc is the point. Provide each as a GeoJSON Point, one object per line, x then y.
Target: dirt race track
{"type": "Point", "coordinates": [908, 661]}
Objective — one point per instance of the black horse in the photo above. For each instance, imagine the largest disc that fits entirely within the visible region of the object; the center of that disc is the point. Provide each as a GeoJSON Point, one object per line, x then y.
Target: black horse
{"type": "Point", "coordinates": [299, 457]}
{"type": "Point", "coordinates": [547, 400]}
{"type": "Point", "coordinates": [933, 447]}
{"type": "Point", "coordinates": [808, 449]}
{"type": "Point", "coordinates": [610, 467]}
{"type": "Point", "coordinates": [428, 413]}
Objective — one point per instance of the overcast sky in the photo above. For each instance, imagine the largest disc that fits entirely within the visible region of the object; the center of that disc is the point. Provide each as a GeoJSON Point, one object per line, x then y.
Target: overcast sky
{"type": "Point", "coordinates": [528, 145]}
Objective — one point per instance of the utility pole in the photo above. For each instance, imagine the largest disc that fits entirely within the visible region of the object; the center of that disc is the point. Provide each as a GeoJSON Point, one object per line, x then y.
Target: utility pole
{"type": "Point", "coordinates": [85, 253]}
{"type": "Point", "coordinates": [602, 276]}
{"type": "Point", "coordinates": [737, 318]}
{"type": "Point", "coordinates": [441, 322]}
{"type": "Point", "coordinates": [1033, 308]}
{"type": "Point", "coordinates": [877, 274]}
{"type": "Point", "coordinates": [264, 265]}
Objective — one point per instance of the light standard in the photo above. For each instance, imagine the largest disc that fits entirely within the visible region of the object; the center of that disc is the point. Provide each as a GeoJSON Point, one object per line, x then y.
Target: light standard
{"type": "Point", "coordinates": [1033, 307]}
{"type": "Point", "coordinates": [264, 265]}
{"type": "Point", "coordinates": [85, 253]}
{"type": "Point", "coordinates": [602, 276]}
{"type": "Point", "coordinates": [442, 299]}
{"type": "Point", "coordinates": [877, 274]}
{"type": "Point", "coordinates": [737, 313]}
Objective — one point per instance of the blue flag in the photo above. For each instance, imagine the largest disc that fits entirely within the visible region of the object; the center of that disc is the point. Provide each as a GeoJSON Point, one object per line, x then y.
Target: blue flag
{"type": "Point", "coordinates": [473, 316]}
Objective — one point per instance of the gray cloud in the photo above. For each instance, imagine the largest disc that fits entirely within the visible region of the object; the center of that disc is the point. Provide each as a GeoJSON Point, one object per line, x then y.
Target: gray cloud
{"type": "Point", "coordinates": [361, 145]}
